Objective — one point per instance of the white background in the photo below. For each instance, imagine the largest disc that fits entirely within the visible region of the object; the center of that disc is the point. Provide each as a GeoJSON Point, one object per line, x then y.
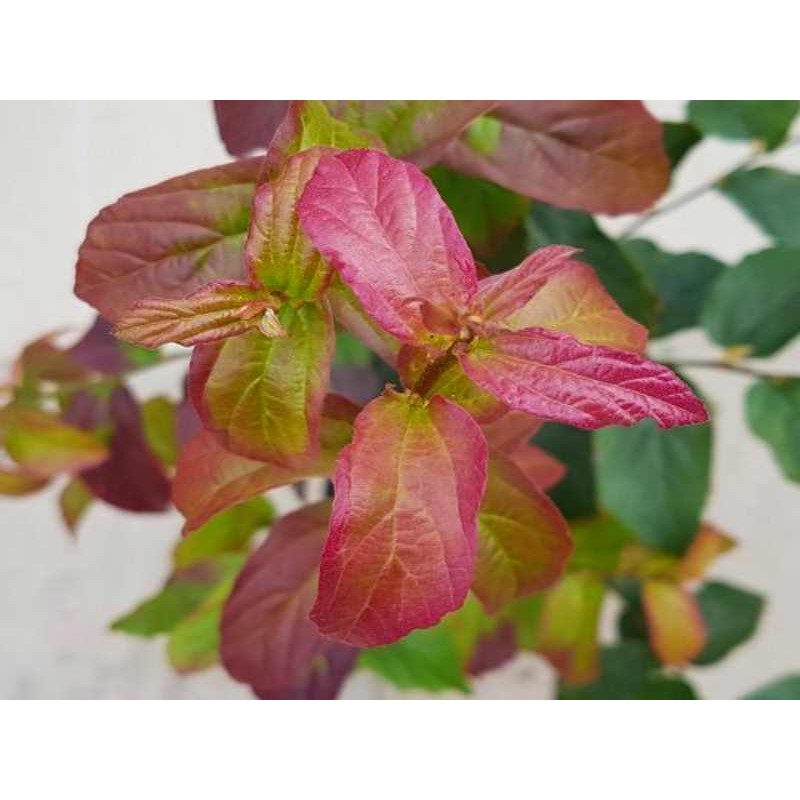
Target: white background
{"type": "Point", "coordinates": [61, 162]}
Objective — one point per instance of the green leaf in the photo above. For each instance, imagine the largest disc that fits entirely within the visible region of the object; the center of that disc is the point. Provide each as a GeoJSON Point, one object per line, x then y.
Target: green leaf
{"type": "Point", "coordinates": [754, 305]}
{"type": "Point", "coordinates": [655, 481]}
{"type": "Point", "coordinates": [664, 687]}
{"type": "Point", "coordinates": [74, 500]}
{"type": "Point", "coordinates": [574, 494]}
{"type": "Point", "coordinates": [787, 688]}
{"type": "Point", "coordinates": [731, 616]}
{"type": "Point", "coordinates": [158, 421]}
{"type": "Point", "coordinates": [681, 280]}
{"type": "Point", "coordinates": [771, 198]}
{"type": "Point", "coordinates": [227, 532]}
{"type": "Point", "coordinates": [619, 274]}
{"type": "Point", "coordinates": [485, 212]}
{"type": "Point", "coordinates": [767, 121]}
{"type": "Point", "coordinates": [624, 669]}
{"type": "Point", "coordinates": [598, 543]}
{"type": "Point", "coordinates": [679, 139]}
{"type": "Point", "coordinates": [426, 659]}
{"type": "Point", "coordinates": [194, 641]}
{"type": "Point", "coordinates": [773, 414]}
{"type": "Point", "coordinates": [350, 352]}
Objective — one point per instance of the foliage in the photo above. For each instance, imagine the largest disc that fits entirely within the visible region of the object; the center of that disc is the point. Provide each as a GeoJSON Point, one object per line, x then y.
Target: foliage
{"type": "Point", "coordinates": [525, 461]}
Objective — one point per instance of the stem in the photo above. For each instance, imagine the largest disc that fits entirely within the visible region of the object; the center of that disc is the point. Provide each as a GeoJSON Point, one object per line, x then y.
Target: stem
{"type": "Point", "coordinates": [700, 190]}
{"type": "Point", "coordinates": [432, 373]}
{"type": "Point", "coordinates": [727, 366]}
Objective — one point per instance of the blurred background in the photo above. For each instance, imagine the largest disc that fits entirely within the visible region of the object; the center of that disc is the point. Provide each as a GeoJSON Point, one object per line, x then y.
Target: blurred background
{"type": "Point", "coordinates": [62, 162]}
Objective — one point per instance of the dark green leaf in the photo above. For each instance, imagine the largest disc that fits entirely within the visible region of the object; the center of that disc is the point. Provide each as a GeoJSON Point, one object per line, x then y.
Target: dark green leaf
{"type": "Point", "coordinates": [485, 212]}
{"type": "Point", "coordinates": [773, 414]}
{"type": "Point", "coordinates": [682, 282]}
{"type": "Point", "coordinates": [787, 688]}
{"type": "Point", "coordinates": [619, 274]}
{"type": "Point", "coordinates": [731, 616]}
{"type": "Point", "coordinates": [771, 198]}
{"type": "Point", "coordinates": [664, 687]}
{"type": "Point", "coordinates": [679, 139]}
{"type": "Point", "coordinates": [755, 304]}
{"type": "Point", "coordinates": [624, 669]}
{"type": "Point", "coordinates": [655, 481]}
{"type": "Point", "coordinates": [426, 659]}
{"type": "Point", "coordinates": [350, 352]}
{"type": "Point", "coordinates": [574, 494]}
{"type": "Point", "coordinates": [767, 121]}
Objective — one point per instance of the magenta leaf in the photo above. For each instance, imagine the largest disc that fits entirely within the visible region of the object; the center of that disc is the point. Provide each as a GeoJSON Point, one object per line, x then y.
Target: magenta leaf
{"type": "Point", "coordinates": [403, 537]}
{"type": "Point", "coordinates": [267, 639]}
{"type": "Point", "coordinates": [246, 126]}
{"type": "Point", "coordinates": [382, 224]}
{"type": "Point", "coordinates": [556, 377]}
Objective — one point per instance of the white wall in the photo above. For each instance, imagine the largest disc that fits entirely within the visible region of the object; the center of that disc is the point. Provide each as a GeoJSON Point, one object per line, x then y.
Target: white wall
{"type": "Point", "coordinates": [61, 162]}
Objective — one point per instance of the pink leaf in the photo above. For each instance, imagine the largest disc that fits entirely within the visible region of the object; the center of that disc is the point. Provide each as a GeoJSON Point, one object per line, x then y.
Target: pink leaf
{"type": "Point", "coordinates": [401, 549]}
{"type": "Point", "coordinates": [553, 376]}
{"type": "Point", "coordinates": [382, 224]}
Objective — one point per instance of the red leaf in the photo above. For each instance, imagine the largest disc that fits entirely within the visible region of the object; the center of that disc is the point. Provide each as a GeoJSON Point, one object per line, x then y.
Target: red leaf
{"type": "Point", "coordinates": [268, 640]}
{"type": "Point", "coordinates": [401, 550]}
{"type": "Point", "coordinates": [382, 224]}
{"type": "Point", "coordinates": [216, 311]}
{"type": "Point", "coordinates": [706, 547]}
{"type": "Point", "coordinates": [98, 349]}
{"type": "Point", "coordinates": [167, 240]}
{"type": "Point", "coordinates": [493, 649]}
{"type": "Point", "coordinates": [209, 479]}
{"type": "Point", "coordinates": [556, 377]}
{"type": "Point", "coordinates": [328, 673]}
{"type": "Point", "coordinates": [602, 156]}
{"type": "Point", "coordinates": [523, 540]}
{"type": "Point", "coordinates": [248, 125]}
{"type": "Point", "coordinates": [132, 478]}
{"type": "Point", "coordinates": [675, 622]}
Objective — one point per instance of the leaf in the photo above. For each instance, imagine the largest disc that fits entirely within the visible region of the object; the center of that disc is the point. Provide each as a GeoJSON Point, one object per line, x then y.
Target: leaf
{"type": "Point", "coordinates": [624, 672]}
{"type": "Point", "coordinates": [210, 479]}
{"type": "Point", "coordinates": [418, 130]}
{"type": "Point", "coordinates": [682, 282]}
{"type": "Point", "coordinates": [44, 360]}
{"type": "Point", "coordinates": [599, 543]}
{"type": "Point", "coordinates": [753, 305]}
{"type": "Point", "coordinates": [278, 254]}
{"type": "Point", "coordinates": [382, 224]}
{"type": "Point", "coordinates": [132, 478]}
{"type": "Point", "coordinates": [523, 541]}
{"type": "Point", "coordinates": [263, 396]}
{"type": "Point", "coordinates": [553, 376]}
{"type": "Point", "coordinates": [268, 641]}
{"type": "Point", "coordinates": [215, 311]}
{"type": "Point", "coordinates": [248, 125]}
{"type": "Point", "coordinates": [787, 688]}
{"type": "Point", "coordinates": [602, 156]}
{"type": "Point", "coordinates": [17, 483]}
{"type": "Point", "coordinates": [44, 445]}
{"type": "Point", "coordinates": [403, 537]}
{"type": "Point", "coordinates": [425, 659]}
{"type": "Point", "coordinates": [160, 427]}
{"type": "Point", "coordinates": [485, 213]}
{"type": "Point", "coordinates": [731, 616]}
{"type": "Point", "coordinates": [568, 621]}
{"type": "Point", "coordinates": [620, 275]}
{"type": "Point", "coordinates": [675, 622]}
{"type": "Point", "coordinates": [327, 676]}
{"type": "Point", "coordinates": [168, 240]}
{"type": "Point", "coordinates": [656, 482]}
{"type": "Point", "coordinates": [705, 548]}
{"type": "Point", "coordinates": [74, 501]}
{"type": "Point", "coordinates": [679, 139]}
{"type": "Point", "coordinates": [183, 592]}
{"type": "Point", "coordinates": [575, 492]}
{"type": "Point", "coordinates": [572, 300]}
{"type": "Point", "coordinates": [773, 414]}
{"type": "Point", "coordinates": [767, 121]}
{"type": "Point", "coordinates": [228, 532]}
{"type": "Point", "coordinates": [771, 198]}
{"type": "Point", "coordinates": [194, 642]}
{"type": "Point", "coordinates": [99, 350]}
{"type": "Point", "coordinates": [663, 687]}
{"type": "Point", "coordinates": [493, 649]}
